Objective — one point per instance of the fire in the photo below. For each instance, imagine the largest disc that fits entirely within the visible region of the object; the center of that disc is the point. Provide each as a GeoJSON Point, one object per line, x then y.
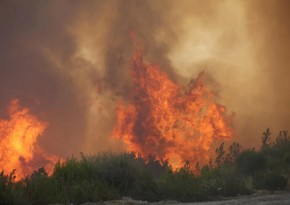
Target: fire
{"type": "Point", "coordinates": [18, 142]}
{"type": "Point", "coordinates": [169, 120]}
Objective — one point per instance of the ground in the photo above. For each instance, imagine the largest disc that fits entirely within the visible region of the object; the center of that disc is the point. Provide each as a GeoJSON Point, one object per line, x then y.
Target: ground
{"type": "Point", "coordinates": [271, 199]}
{"type": "Point", "coordinates": [277, 198]}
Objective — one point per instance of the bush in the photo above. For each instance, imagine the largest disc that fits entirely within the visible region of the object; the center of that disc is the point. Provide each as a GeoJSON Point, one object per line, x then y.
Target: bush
{"type": "Point", "coordinates": [11, 192]}
{"type": "Point", "coordinates": [39, 188]}
{"type": "Point", "coordinates": [250, 162]}
{"type": "Point", "coordinates": [233, 182]}
{"type": "Point", "coordinates": [270, 181]}
{"type": "Point", "coordinates": [180, 185]}
{"type": "Point", "coordinates": [108, 176]}
{"type": "Point", "coordinates": [111, 176]}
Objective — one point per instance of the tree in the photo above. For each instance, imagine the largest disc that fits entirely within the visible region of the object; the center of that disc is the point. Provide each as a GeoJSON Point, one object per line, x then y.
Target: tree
{"type": "Point", "coordinates": [266, 139]}
{"type": "Point", "coordinates": [234, 151]}
{"type": "Point", "coordinates": [220, 152]}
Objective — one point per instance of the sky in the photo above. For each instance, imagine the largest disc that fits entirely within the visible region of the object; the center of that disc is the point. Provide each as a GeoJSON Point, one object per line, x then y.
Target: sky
{"type": "Point", "coordinates": [68, 62]}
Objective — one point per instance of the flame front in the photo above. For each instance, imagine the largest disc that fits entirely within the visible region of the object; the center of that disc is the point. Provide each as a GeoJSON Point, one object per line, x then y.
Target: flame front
{"type": "Point", "coordinates": [18, 142]}
{"type": "Point", "coordinates": [171, 121]}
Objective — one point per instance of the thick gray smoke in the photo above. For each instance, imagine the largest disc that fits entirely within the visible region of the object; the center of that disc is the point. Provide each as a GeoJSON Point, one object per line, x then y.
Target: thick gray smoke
{"type": "Point", "coordinates": [67, 61]}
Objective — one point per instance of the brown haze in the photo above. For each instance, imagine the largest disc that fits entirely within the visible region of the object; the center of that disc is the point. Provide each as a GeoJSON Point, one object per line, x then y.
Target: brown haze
{"type": "Point", "coordinates": [67, 61]}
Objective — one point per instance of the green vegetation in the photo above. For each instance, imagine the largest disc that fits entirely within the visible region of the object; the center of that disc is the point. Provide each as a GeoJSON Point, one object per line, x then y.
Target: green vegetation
{"type": "Point", "coordinates": [110, 176]}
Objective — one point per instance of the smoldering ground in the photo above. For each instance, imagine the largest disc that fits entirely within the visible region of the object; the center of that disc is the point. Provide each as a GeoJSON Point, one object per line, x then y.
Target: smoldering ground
{"type": "Point", "coordinates": [67, 61]}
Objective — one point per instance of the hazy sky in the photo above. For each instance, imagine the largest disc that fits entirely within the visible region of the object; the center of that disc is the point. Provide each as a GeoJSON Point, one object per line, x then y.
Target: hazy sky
{"type": "Point", "coordinates": [67, 61]}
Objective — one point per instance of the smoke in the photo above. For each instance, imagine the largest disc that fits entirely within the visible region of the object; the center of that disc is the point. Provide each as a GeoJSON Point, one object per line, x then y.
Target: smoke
{"type": "Point", "coordinates": [270, 29]}
{"type": "Point", "coordinates": [36, 68]}
{"type": "Point", "coordinates": [67, 61]}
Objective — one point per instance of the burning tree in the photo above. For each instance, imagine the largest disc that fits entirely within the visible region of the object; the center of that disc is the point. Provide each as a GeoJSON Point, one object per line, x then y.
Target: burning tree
{"type": "Point", "coordinates": [169, 120]}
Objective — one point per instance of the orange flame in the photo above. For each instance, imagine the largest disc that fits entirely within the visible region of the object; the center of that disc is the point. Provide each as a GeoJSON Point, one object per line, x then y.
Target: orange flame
{"type": "Point", "coordinates": [171, 121]}
{"type": "Point", "coordinates": [18, 142]}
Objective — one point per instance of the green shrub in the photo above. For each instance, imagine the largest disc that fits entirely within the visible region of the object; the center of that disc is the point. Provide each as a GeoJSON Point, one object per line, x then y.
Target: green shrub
{"type": "Point", "coordinates": [39, 188]}
{"type": "Point", "coordinates": [111, 176]}
{"type": "Point", "coordinates": [181, 185]}
{"type": "Point", "coordinates": [108, 176]}
{"type": "Point", "coordinates": [11, 192]}
{"type": "Point", "coordinates": [270, 181]}
{"type": "Point", "coordinates": [233, 182]}
{"type": "Point", "coordinates": [250, 162]}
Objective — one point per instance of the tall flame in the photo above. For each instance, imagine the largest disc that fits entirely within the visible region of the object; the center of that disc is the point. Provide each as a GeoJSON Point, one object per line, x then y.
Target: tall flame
{"type": "Point", "coordinates": [18, 142]}
{"type": "Point", "coordinates": [171, 121]}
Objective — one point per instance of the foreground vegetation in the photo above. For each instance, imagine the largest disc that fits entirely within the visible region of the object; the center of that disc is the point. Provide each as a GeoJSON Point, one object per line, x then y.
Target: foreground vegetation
{"type": "Point", "coordinates": [111, 176]}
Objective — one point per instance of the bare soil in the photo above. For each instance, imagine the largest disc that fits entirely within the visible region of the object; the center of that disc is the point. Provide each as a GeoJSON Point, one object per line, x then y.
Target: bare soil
{"type": "Point", "coordinates": [276, 198]}
{"type": "Point", "coordinates": [260, 198]}
{"type": "Point", "coordinates": [269, 199]}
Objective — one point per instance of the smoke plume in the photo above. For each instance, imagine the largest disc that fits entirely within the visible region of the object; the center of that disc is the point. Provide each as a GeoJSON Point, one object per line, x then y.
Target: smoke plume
{"type": "Point", "coordinates": [68, 61]}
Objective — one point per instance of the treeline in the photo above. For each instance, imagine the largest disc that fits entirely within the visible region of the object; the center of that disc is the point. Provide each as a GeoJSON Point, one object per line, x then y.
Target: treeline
{"type": "Point", "coordinates": [110, 176]}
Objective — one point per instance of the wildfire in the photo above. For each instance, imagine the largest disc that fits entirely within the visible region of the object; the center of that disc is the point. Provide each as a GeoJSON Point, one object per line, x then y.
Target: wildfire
{"type": "Point", "coordinates": [169, 120]}
{"type": "Point", "coordinates": [18, 142]}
